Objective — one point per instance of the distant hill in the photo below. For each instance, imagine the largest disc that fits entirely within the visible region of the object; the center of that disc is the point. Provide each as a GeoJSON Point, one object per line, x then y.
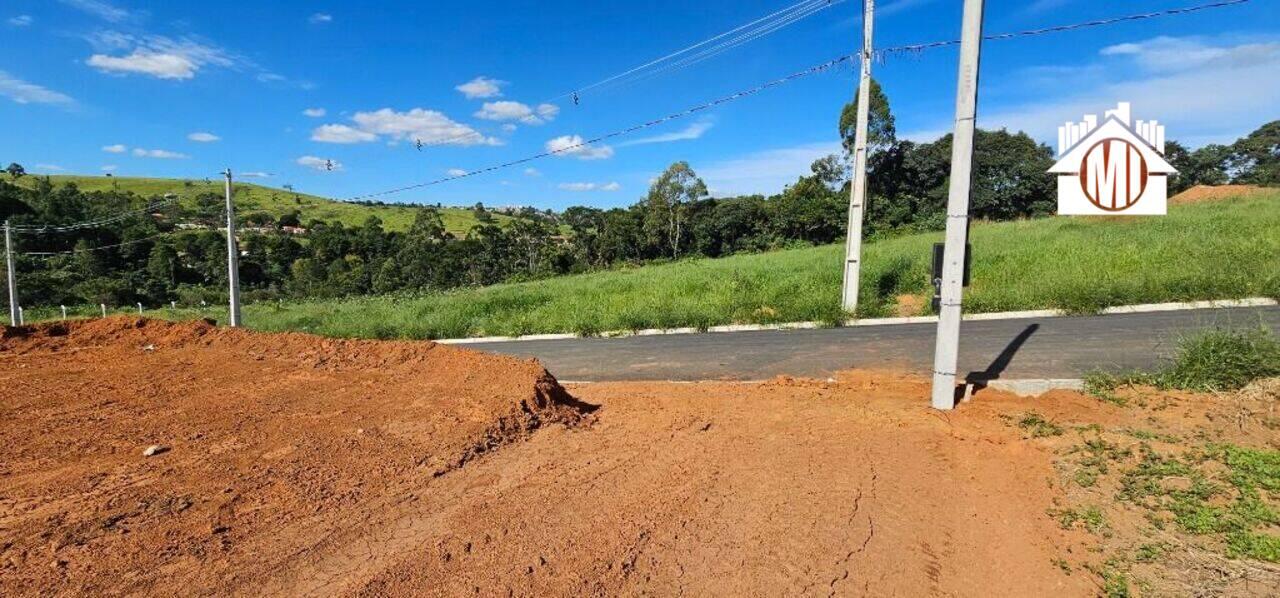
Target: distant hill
{"type": "Point", "coordinates": [251, 197]}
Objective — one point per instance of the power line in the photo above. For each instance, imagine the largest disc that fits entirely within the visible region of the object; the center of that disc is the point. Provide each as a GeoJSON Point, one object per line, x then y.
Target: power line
{"type": "Point", "coordinates": [797, 75]}
{"type": "Point", "coordinates": [742, 34]}
{"type": "Point", "coordinates": [99, 248]}
{"type": "Point", "coordinates": [85, 224]}
{"type": "Point", "coordinates": [1069, 27]}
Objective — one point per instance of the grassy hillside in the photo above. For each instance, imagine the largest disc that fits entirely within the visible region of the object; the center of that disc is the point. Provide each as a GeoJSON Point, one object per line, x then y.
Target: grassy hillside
{"type": "Point", "coordinates": [251, 197]}
{"type": "Point", "coordinates": [1226, 249]}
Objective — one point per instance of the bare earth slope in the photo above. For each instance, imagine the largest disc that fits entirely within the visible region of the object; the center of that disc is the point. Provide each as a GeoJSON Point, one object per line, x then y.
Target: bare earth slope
{"type": "Point", "coordinates": [306, 466]}
{"type": "Point", "coordinates": [277, 442]}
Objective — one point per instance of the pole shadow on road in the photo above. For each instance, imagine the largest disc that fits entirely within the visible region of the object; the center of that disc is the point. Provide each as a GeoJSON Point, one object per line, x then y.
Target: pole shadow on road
{"type": "Point", "coordinates": [979, 380]}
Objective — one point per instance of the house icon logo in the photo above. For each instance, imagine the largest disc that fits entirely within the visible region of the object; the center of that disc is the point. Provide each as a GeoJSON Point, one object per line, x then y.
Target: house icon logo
{"type": "Point", "coordinates": [1112, 168]}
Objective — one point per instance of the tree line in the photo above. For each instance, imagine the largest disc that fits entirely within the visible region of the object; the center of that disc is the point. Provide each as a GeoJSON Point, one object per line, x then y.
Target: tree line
{"type": "Point", "coordinates": [151, 259]}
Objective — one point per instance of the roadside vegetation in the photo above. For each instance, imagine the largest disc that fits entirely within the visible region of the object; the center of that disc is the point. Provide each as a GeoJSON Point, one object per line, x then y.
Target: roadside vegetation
{"type": "Point", "coordinates": [1221, 359]}
{"type": "Point", "coordinates": [1177, 488]}
{"type": "Point", "coordinates": [1077, 264]}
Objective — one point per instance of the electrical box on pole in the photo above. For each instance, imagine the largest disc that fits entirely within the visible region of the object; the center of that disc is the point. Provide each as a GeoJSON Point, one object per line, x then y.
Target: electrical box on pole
{"type": "Point", "coordinates": [938, 253]}
{"type": "Point", "coordinates": [947, 351]}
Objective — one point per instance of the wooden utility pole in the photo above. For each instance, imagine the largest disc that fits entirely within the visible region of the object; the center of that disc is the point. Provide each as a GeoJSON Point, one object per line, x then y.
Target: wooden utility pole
{"type": "Point", "coordinates": [233, 256]}
{"type": "Point", "coordinates": [946, 353]}
{"type": "Point", "coordinates": [858, 187]}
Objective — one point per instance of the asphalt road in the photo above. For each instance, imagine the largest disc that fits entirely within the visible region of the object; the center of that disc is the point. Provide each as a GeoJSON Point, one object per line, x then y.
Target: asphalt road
{"type": "Point", "coordinates": [1058, 347]}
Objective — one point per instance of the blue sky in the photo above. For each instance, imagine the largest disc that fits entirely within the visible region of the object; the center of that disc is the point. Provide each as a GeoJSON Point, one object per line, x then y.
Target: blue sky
{"type": "Point", "coordinates": [184, 88]}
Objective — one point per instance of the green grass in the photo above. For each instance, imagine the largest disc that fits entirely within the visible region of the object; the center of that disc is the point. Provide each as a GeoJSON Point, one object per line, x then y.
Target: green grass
{"type": "Point", "coordinates": [1224, 491]}
{"type": "Point", "coordinates": [1215, 360]}
{"type": "Point", "coordinates": [1036, 426]}
{"type": "Point", "coordinates": [1217, 250]}
{"type": "Point", "coordinates": [251, 197]}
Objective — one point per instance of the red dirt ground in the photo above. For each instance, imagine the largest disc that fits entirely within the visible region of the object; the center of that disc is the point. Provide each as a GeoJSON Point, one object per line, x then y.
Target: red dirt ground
{"type": "Point", "coordinates": [306, 466]}
{"type": "Point", "coordinates": [1201, 193]}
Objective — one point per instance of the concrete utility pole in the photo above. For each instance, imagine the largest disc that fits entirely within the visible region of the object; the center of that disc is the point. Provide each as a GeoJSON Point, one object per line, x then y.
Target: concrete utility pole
{"type": "Point", "coordinates": [233, 256]}
{"type": "Point", "coordinates": [13, 277]}
{"type": "Point", "coordinates": [946, 354]}
{"type": "Point", "coordinates": [858, 188]}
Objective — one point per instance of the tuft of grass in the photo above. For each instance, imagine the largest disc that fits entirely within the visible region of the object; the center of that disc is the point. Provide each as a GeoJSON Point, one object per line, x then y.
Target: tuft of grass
{"type": "Point", "coordinates": [1037, 426]}
{"type": "Point", "coordinates": [1219, 359]}
{"type": "Point", "coordinates": [1223, 359]}
{"type": "Point", "coordinates": [1096, 456]}
{"type": "Point", "coordinates": [1090, 517]}
{"type": "Point", "coordinates": [1261, 547]}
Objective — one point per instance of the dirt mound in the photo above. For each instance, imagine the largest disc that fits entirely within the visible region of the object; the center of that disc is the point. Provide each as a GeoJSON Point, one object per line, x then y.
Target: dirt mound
{"type": "Point", "coordinates": [269, 446]}
{"type": "Point", "coordinates": [1201, 193]}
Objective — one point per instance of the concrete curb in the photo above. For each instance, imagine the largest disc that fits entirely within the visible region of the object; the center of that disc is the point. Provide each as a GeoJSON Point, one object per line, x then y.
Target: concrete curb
{"type": "Point", "coordinates": [1028, 388]}
{"type": "Point", "coordinates": [1007, 315]}
{"type": "Point", "coordinates": [1035, 387]}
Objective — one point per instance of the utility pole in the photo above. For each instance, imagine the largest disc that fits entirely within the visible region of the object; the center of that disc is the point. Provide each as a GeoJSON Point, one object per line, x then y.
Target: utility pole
{"type": "Point", "coordinates": [13, 277]}
{"type": "Point", "coordinates": [233, 256]}
{"type": "Point", "coordinates": [858, 188]}
{"type": "Point", "coordinates": [946, 354]}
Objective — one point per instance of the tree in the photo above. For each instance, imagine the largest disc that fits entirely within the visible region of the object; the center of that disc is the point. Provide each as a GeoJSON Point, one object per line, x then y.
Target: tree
{"type": "Point", "coordinates": [1255, 159]}
{"type": "Point", "coordinates": [1204, 166]}
{"type": "Point", "coordinates": [881, 132]}
{"type": "Point", "coordinates": [15, 170]}
{"type": "Point", "coordinates": [665, 205]}
{"type": "Point", "coordinates": [810, 210]}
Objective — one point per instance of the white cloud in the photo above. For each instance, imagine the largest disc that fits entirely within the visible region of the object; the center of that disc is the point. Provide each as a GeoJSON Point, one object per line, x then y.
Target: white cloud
{"type": "Point", "coordinates": [101, 9]}
{"type": "Point", "coordinates": [532, 172]}
{"type": "Point", "coordinates": [455, 172]}
{"type": "Point", "coordinates": [158, 154]}
{"type": "Point", "coordinates": [320, 164]}
{"type": "Point", "coordinates": [765, 172]}
{"type": "Point", "coordinates": [49, 168]}
{"type": "Point", "coordinates": [582, 187]}
{"type": "Point", "coordinates": [319, 18]}
{"type": "Point", "coordinates": [1170, 86]}
{"type": "Point", "coordinates": [693, 131]}
{"type": "Point", "coordinates": [429, 126]}
{"type": "Point", "coordinates": [161, 66]}
{"type": "Point", "coordinates": [23, 92]}
{"type": "Point", "coordinates": [21, 21]}
{"type": "Point", "coordinates": [118, 148]}
{"type": "Point", "coordinates": [109, 168]}
{"type": "Point", "coordinates": [481, 87]}
{"type": "Point", "coordinates": [314, 112]}
{"type": "Point", "coordinates": [574, 145]}
{"type": "Point", "coordinates": [515, 111]}
{"type": "Point", "coordinates": [548, 112]}
{"type": "Point", "coordinates": [1166, 54]}
{"type": "Point", "coordinates": [254, 175]}
{"type": "Point", "coordinates": [203, 137]}
{"type": "Point", "coordinates": [163, 57]}
{"type": "Point", "coordinates": [509, 128]}
{"type": "Point", "coordinates": [341, 134]}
